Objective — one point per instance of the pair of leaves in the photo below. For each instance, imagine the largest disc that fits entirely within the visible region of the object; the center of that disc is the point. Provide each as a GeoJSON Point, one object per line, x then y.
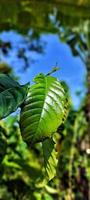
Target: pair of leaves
{"type": "Point", "coordinates": [12, 95]}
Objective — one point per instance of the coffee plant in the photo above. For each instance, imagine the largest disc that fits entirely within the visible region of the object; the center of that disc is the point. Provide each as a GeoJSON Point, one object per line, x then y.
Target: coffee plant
{"type": "Point", "coordinates": [44, 107]}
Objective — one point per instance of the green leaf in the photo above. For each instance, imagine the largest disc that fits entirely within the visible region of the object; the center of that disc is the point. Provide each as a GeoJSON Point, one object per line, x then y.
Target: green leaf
{"type": "Point", "coordinates": [44, 109]}
{"type": "Point", "coordinates": [12, 95]}
{"type": "Point", "coordinates": [50, 158]}
{"type": "Point", "coordinates": [47, 196]}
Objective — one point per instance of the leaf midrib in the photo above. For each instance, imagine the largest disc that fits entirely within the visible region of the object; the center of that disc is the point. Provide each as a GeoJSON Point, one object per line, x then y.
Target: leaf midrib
{"type": "Point", "coordinates": [45, 78]}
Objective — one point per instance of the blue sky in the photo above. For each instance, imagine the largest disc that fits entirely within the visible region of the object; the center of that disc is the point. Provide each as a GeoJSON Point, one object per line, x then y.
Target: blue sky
{"type": "Point", "coordinates": [71, 70]}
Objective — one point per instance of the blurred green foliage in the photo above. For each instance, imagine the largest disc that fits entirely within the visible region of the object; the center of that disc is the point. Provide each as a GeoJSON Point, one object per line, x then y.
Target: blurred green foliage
{"type": "Point", "coordinates": [21, 167]}
{"type": "Point", "coordinates": [70, 20]}
{"type": "Point", "coordinates": [21, 173]}
{"type": "Point", "coordinates": [27, 14]}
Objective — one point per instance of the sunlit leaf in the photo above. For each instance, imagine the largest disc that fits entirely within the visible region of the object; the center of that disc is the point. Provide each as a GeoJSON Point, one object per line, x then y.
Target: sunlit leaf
{"type": "Point", "coordinates": [50, 158]}
{"type": "Point", "coordinates": [44, 109]}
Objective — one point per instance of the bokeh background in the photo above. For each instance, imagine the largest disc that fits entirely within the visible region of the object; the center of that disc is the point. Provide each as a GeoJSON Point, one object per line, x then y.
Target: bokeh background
{"type": "Point", "coordinates": [36, 36]}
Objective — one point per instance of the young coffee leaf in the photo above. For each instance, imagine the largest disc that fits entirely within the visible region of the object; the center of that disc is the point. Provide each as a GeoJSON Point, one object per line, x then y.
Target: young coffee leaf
{"type": "Point", "coordinates": [44, 109]}
{"type": "Point", "coordinates": [12, 95]}
{"type": "Point", "coordinates": [50, 158]}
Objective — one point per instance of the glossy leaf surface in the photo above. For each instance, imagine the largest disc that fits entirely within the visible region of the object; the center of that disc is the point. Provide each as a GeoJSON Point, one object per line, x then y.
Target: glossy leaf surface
{"type": "Point", "coordinates": [44, 110]}
{"type": "Point", "coordinates": [12, 95]}
{"type": "Point", "coordinates": [50, 158]}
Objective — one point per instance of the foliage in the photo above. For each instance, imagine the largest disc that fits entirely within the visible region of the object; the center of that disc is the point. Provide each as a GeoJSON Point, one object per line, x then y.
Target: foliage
{"type": "Point", "coordinates": [21, 166]}
{"type": "Point", "coordinates": [22, 175]}
{"type": "Point", "coordinates": [74, 161]}
{"type": "Point", "coordinates": [46, 96]}
{"type": "Point", "coordinates": [12, 95]}
{"type": "Point", "coordinates": [68, 20]}
{"type": "Point", "coordinates": [29, 14]}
